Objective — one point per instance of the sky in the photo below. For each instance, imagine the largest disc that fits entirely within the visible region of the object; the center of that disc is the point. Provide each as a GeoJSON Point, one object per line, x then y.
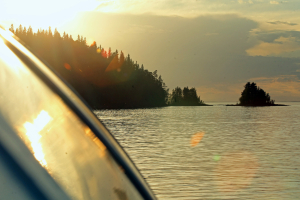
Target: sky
{"type": "Point", "coordinates": [215, 46]}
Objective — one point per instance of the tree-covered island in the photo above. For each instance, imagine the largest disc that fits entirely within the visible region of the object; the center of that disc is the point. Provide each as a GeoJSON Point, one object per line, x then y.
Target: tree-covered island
{"type": "Point", "coordinates": [185, 97]}
{"type": "Point", "coordinates": [253, 95]}
{"type": "Point", "coordinates": [105, 79]}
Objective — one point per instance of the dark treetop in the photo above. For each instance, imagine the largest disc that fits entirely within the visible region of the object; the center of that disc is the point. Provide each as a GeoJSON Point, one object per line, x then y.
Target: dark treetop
{"type": "Point", "coordinates": [252, 95]}
{"type": "Point", "coordinates": [185, 97]}
{"type": "Point", "coordinates": [255, 96]}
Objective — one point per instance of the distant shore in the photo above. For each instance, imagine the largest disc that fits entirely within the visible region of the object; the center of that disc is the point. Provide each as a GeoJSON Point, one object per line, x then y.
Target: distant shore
{"type": "Point", "coordinates": [150, 107]}
{"type": "Point", "coordinates": [257, 105]}
{"type": "Point", "coordinates": [189, 105]}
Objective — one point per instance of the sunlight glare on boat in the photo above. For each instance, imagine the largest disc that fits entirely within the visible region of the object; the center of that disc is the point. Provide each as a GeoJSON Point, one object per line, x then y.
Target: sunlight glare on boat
{"type": "Point", "coordinates": [32, 132]}
{"type": "Point", "coordinates": [95, 139]}
{"type": "Point", "coordinates": [10, 59]}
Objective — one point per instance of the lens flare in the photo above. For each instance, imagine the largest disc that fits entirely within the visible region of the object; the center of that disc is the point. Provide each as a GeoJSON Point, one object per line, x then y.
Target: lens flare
{"type": "Point", "coordinates": [196, 138]}
{"type": "Point", "coordinates": [235, 171]}
{"type": "Point", "coordinates": [115, 64]}
{"type": "Point", "coordinates": [67, 66]}
{"type": "Point", "coordinates": [217, 157]}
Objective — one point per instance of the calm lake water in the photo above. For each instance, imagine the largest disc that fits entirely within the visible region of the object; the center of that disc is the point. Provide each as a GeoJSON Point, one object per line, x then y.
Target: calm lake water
{"type": "Point", "coordinates": [243, 153]}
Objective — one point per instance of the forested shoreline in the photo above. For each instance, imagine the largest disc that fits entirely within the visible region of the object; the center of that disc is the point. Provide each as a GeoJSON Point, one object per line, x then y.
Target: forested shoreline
{"type": "Point", "coordinates": [109, 80]}
{"type": "Point", "coordinates": [185, 97]}
{"type": "Point", "coordinates": [105, 79]}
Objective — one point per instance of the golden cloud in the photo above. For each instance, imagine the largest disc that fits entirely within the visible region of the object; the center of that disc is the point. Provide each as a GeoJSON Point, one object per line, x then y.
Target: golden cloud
{"type": "Point", "coordinates": [226, 92]}
{"type": "Point", "coordinates": [274, 2]}
{"type": "Point", "coordinates": [242, 1]}
{"type": "Point", "coordinates": [280, 45]}
{"type": "Point", "coordinates": [280, 87]}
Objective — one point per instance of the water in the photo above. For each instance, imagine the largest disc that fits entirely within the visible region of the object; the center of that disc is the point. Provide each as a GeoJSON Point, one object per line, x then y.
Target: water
{"type": "Point", "coordinates": [245, 153]}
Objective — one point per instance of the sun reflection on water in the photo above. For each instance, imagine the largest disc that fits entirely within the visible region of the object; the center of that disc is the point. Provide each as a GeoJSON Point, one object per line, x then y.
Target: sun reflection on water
{"type": "Point", "coordinates": [33, 134]}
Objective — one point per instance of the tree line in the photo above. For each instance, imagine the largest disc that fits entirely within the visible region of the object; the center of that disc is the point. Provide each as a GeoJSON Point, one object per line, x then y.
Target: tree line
{"type": "Point", "coordinates": [253, 95]}
{"type": "Point", "coordinates": [105, 79]}
{"type": "Point", "coordinates": [185, 97]}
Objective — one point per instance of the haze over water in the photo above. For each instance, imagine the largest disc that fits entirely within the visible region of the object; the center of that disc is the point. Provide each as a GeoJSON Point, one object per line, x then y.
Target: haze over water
{"type": "Point", "coordinates": [245, 153]}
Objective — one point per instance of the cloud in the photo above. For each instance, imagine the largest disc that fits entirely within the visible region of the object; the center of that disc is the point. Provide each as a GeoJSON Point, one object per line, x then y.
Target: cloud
{"type": "Point", "coordinates": [280, 88]}
{"type": "Point", "coordinates": [279, 46]}
{"type": "Point", "coordinates": [271, 36]}
{"type": "Point", "coordinates": [281, 78]}
{"type": "Point", "coordinates": [194, 8]}
{"type": "Point", "coordinates": [223, 92]}
{"type": "Point", "coordinates": [245, 1]}
{"type": "Point", "coordinates": [207, 52]}
{"type": "Point", "coordinates": [276, 2]}
{"type": "Point", "coordinates": [275, 43]}
{"type": "Point", "coordinates": [282, 22]}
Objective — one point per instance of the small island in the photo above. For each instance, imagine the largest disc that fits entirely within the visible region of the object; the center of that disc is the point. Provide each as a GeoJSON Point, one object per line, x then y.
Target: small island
{"type": "Point", "coordinates": [185, 97]}
{"type": "Point", "coordinates": [253, 95]}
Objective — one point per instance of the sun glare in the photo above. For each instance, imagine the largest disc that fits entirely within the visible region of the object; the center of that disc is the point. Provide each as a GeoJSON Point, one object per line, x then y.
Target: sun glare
{"type": "Point", "coordinates": [9, 58]}
{"type": "Point", "coordinates": [32, 133]}
{"type": "Point", "coordinates": [42, 14]}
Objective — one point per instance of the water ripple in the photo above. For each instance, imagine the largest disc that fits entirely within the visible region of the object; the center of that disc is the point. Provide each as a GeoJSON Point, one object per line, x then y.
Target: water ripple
{"type": "Point", "coordinates": [245, 153]}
